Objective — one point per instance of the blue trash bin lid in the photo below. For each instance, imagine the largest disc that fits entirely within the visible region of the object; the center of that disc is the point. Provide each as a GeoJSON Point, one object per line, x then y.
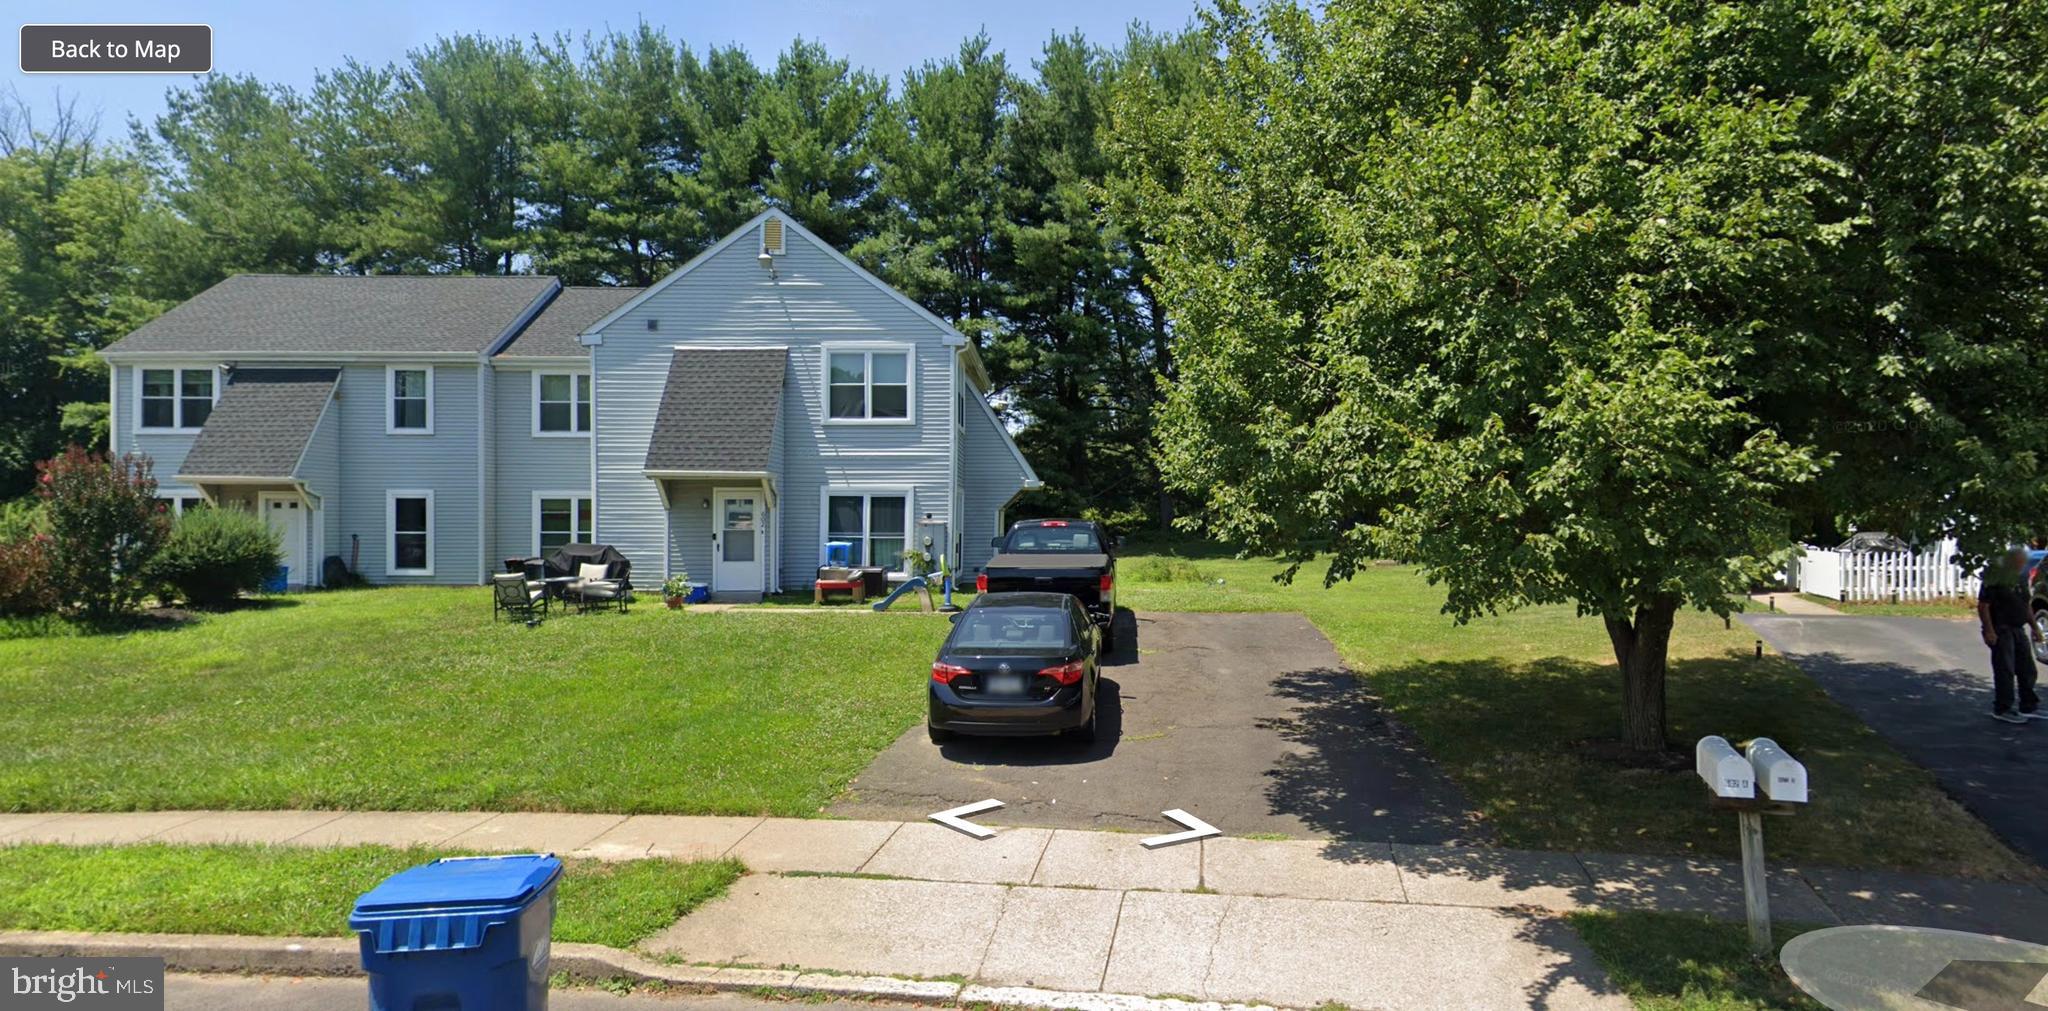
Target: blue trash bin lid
{"type": "Point", "coordinates": [462, 881]}
{"type": "Point", "coordinates": [450, 904]}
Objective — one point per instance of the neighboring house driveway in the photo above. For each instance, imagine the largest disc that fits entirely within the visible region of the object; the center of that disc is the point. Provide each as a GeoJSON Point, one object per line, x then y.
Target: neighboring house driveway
{"type": "Point", "coordinates": [1249, 721]}
{"type": "Point", "coordinates": [1925, 685]}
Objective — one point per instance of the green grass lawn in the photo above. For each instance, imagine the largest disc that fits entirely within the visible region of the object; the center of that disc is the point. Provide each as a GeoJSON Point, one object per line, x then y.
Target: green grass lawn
{"type": "Point", "coordinates": [412, 698]}
{"type": "Point", "coordinates": [1678, 962]}
{"type": "Point", "coordinates": [1502, 703]}
{"type": "Point", "coordinates": [297, 892]}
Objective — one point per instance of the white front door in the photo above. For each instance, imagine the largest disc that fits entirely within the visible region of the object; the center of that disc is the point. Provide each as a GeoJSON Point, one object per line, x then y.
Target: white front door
{"type": "Point", "coordinates": [737, 543]}
{"type": "Point", "coordinates": [287, 516]}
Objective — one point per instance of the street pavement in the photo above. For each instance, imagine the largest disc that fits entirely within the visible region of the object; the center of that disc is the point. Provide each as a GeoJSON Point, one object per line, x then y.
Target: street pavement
{"type": "Point", "coordinates": [1250, 721]}
{"type": "Point", "coordinates": [1924, 684]}
{"type": "Point", "coordinates": [188, 992]}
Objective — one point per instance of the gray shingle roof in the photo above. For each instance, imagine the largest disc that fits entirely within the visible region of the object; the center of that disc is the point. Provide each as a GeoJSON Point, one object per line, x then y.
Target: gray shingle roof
{"type": "Point", "coordinates": [261, 313]}
{"type": "Point", "coordinates": [554, 331]}
{"type": "Point", "coordinates": [719, 410]}
{"type": "Point", "coordinates": [261, 424]}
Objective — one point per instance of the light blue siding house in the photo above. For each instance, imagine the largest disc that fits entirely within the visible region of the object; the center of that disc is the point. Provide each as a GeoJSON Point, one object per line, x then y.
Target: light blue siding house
{"type": "Point", "coordinates": [761, 401]}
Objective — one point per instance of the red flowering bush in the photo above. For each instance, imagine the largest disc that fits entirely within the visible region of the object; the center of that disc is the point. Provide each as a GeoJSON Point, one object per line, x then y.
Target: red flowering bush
{"type": "Point", "coordinates": [105, 527]}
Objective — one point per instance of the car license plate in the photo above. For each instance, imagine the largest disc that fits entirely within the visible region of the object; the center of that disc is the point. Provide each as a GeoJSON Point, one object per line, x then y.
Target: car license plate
{"type": "Point", "coordinates": [1006, 684]}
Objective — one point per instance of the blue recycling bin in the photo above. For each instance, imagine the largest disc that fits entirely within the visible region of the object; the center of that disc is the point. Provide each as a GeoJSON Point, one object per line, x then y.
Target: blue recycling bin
{"type": "Point", "coordinates": [278, 579]}
{"type": "Point", "coordinates": [460, 934]}
{"type": "Point", "coordinates": [839, 553]}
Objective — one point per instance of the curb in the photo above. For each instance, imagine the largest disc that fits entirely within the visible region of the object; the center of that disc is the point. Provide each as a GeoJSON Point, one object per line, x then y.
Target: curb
{"type": "Point", "coordinates": [338, 956]}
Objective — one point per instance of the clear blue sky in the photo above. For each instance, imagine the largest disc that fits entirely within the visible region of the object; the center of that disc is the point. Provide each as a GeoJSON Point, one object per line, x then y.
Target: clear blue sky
{"type": "Point", "coordinates": [288, 40]}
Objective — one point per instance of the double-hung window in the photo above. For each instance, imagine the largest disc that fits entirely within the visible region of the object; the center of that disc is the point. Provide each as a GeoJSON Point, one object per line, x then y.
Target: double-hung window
{"type": "Point", "coordinates": [410, 518]}
{"type": "Point", "coordinates": [867, 384]}
{"type": "Point", "coordinates": [560, 518]}
{"type": "Point", "coordinates": [177, 399]}
{"type": "Point", "coordinates": [409, 400]}
{"type": "Point", "coordinates": [876, 524]}
{"type": "Point", "coordinates": [181, 504]}
{"type": "Point", "coordinates": [561, 403]}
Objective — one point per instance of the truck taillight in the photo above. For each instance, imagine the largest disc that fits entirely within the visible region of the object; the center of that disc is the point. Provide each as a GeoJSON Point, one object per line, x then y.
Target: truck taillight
{"type": "Point", "coordinates": [981, 583]}
{"type": "Point", "coordinates": [1108, 580]}
{"type": "Point", "coordinates": [1066, 673]}
{"type": "Point", "coordinates": [944, 673]}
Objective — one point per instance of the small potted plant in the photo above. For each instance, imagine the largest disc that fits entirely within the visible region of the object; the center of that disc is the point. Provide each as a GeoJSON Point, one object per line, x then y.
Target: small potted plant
{"type": "Point", "coordinates": [674, 589]}
{"type": "Point", "coordinates": [916, 562]}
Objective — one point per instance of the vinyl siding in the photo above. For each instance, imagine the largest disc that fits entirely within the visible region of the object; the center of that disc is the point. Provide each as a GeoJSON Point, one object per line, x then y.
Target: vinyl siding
{"type": "Point", "coordinates": [990, 477]}
{"type": "Point", "coordinates": [730, 301]}
{"type": "Point", "coordinates": [321, 469]}
{"type": "Point", "coordinates": [444, 462]}
{"type": "Point", "coordinates": [166, 450]}
{"type": "Point", "coordinates": [525, 464]}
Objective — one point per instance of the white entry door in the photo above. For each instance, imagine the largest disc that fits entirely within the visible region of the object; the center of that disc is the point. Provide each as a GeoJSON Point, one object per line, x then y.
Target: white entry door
{"type": "Point", "coordinates": [737, 543]}
{"type": "Point", "coordinates": [287, 516]}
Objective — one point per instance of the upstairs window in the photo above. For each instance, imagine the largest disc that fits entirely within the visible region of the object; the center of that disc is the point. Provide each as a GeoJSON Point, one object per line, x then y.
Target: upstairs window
{"type": "Point", "coordinates": [177, 398]}
{"type": "Point", "coordinates": [867, 385]}
{"type": "Point", "coordinates": [410, 394]}
{"type": "Point", "coordinates": [561, 403]}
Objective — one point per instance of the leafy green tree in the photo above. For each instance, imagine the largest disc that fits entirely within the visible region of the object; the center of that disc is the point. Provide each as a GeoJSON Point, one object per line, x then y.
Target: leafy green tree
{"type": "Point", "coordinates": [813, 114]}
{"type": "Point", "coordinates": [229, 156]}
{"type": "Point", "coordinates": [1603, 305]}
{"type": "Point", "coordinates": [464, 128]}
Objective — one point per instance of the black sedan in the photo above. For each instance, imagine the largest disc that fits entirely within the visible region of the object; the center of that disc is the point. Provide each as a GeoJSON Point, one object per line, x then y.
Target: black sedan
{"type": "Point", "coordinates": [1017, 663]}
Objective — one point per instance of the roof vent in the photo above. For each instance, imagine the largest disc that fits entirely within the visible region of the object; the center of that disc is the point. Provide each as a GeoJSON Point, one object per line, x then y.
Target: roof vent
{"type": "Point", "coordinates": [771, 236]}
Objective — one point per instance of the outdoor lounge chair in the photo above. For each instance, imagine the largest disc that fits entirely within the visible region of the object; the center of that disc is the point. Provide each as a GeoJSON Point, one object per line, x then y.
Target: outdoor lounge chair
{"type": "Point", "coordinates": [592, 589]}
{"type": "Point", "coordinates": [599, 575]}
{"type": "Point", "coordinates": [514, 594]}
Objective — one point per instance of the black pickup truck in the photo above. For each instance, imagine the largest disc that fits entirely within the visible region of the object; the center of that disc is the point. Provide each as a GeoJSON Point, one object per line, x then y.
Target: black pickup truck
{"type": "Point", "coordinates": [1075, 557]}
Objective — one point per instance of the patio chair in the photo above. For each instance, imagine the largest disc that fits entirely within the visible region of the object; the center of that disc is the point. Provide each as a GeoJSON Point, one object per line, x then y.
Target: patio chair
{"type": "Point", "coordinates": [512, 593]}
{"type": "Point", "coordinates": [594, 589]}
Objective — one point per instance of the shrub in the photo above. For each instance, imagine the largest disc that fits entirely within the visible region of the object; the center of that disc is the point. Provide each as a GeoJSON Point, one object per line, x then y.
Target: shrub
{"type": "Point", "coordinates": [23, 518]}
{"type": "Point", "coordinates": [1164, 569]}
{"type": "Point", "coordinates": [26, 589]}
{"type": "Point", "coordinates": [105, 528]}
{"type": "Point", "coordinates": [215, 554]}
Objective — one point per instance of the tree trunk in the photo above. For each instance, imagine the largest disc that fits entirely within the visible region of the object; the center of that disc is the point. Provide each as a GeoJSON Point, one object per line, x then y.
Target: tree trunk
{"type": "Point", "coordinates": [1642, 646]}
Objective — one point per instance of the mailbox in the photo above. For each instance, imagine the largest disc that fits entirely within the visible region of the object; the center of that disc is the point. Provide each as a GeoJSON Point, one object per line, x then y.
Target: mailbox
{"type": "Point", "coordinates": [1778, 774]}
{"type": "Point", "coordinates": [1727, 773]}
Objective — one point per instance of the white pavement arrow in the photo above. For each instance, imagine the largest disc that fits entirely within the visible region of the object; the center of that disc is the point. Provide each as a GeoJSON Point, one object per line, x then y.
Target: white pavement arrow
{"type": "Point", "coordinates": [956, 818]}
{"type": "Point", "coordinates": [1197, 829]}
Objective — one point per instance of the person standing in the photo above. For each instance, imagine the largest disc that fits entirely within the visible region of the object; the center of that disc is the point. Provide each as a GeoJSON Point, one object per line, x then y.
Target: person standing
{"type": "Point", "coordinates": [2004, 611]}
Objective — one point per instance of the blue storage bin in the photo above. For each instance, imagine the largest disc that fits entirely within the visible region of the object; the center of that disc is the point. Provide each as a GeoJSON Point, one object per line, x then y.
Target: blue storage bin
{"type": "Point", "coordinates": [839, 554]}
{"type": "Point", "coordinates": [699, 593]}
{"type": "Point", "coordinates": [460, 934]}
{"type": "Point", "coordinates": [280, 577]}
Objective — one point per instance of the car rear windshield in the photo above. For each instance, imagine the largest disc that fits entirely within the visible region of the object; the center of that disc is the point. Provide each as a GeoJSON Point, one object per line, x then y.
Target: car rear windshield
{"type": "Point", "coordinates": [1013, 628]}
{"type": "Point", "coordinates": [1050, 540]}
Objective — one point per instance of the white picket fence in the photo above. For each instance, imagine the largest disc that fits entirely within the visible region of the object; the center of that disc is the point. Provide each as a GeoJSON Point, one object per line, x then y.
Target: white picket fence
{"type": "Point", "coordinates": [1882, 575]}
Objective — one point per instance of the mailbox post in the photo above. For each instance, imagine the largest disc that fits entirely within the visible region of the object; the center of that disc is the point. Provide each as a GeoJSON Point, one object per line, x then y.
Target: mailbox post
{"type": "Point", "coordinates": [1762, 779]}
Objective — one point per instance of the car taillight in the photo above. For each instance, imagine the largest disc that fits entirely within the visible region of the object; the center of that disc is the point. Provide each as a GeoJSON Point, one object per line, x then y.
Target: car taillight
{"type": "Point", "coordinates": [1066, 673]}
{"type": "Point", "coordinates": [1108, 580]}
{"type": "Point", "coordinates": [944, 673]}
{"type": "Point", "coordinates": [981, 583]}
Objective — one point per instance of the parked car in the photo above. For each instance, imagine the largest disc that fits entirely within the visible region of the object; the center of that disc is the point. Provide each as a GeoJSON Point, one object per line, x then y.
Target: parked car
{"type": "Point", "coordinates": [1075, 557]}
{"type": "Point", "coordinates": [1016, 663]}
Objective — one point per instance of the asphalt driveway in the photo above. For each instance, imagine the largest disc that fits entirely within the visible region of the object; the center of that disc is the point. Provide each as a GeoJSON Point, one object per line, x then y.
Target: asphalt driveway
{"type": "Point", "coordinates": [1925, 685]}
{"type": "Point", "coordinates": [1249, 721]}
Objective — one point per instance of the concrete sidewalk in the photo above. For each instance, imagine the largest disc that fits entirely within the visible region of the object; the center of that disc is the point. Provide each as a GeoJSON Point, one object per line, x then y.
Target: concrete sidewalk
{"type": "Point", "coordinates": [1478, 878]}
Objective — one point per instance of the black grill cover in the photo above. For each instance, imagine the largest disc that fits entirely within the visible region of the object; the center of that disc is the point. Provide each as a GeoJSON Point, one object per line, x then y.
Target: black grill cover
{"type": "Point", "coordinates": [565, 560]}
